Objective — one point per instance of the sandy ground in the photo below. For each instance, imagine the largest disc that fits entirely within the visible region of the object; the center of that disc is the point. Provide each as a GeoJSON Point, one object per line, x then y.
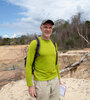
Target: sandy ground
{"type": "Point", "coordinates": [77, 89]}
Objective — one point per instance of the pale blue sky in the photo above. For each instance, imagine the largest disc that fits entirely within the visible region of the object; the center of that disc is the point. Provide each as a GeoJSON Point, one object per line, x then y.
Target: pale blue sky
{"type": "Point", "coordinates": [19, 17]}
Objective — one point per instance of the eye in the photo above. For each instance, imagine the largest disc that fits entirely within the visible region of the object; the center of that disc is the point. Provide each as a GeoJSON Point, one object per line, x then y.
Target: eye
{"type": "Point", "coordinates": [50, 27]}
{"type": "Point", "coordinates": [45, 26]}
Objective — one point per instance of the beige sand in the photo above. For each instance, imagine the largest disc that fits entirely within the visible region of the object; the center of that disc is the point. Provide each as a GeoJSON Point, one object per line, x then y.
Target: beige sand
{"type": "Point", "coordinates": [77, 89]}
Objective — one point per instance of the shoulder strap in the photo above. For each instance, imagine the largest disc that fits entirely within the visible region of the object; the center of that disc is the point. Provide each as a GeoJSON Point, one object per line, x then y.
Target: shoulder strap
{"type": "Point", "coordinates": [36, 52]}
{"type": "Point", "coordinates": [54, 43]}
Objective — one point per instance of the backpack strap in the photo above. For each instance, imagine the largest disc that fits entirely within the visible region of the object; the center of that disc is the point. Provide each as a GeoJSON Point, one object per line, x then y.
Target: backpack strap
{"type": "Point", "coordinates": [56, 50]}
{"type": "Point", "coordinates": [36, 53]}
{"type": "Point", "coordinates": [54, 43]}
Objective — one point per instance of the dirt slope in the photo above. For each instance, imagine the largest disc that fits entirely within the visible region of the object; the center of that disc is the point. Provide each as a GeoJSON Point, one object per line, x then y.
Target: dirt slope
{"type": "Point", "coordinates": [76, 89]}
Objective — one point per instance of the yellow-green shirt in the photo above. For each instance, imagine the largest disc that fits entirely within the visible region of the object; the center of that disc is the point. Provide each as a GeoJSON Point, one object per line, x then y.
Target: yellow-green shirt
{"type": "Point", "coordinates": [45, 64]}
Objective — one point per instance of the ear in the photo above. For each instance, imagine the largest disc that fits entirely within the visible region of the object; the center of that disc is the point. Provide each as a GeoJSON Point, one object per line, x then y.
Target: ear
{"type": "Point", "coordinates": [41, 27]}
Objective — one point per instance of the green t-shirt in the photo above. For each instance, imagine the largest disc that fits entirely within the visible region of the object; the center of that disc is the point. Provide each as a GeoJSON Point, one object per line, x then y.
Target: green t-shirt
{"type": "Point", "coordinates": [45, 63]}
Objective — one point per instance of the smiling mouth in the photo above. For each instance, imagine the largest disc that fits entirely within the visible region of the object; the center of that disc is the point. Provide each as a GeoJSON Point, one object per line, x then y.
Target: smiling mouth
{"type": "Point", "coordinates": [47, 33]}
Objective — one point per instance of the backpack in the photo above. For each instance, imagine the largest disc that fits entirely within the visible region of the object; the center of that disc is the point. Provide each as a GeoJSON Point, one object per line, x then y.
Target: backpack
{"type": "Point", "coordinates": [37, 53]}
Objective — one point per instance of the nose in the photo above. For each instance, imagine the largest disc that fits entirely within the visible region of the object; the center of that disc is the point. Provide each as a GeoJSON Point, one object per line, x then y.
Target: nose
{"type": "Point", "coordinates": [48, 29]}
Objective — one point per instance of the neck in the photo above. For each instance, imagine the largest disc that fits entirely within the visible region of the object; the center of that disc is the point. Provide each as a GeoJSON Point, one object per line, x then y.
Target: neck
{"type": "Point", "coordinates": [45, 38]}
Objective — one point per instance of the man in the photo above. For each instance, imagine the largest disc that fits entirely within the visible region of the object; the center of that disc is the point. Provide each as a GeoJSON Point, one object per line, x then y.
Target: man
{"type": "Point", "coordinates": [46, 72]}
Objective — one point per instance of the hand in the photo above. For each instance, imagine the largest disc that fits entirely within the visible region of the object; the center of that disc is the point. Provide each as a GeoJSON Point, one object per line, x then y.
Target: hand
{"type": "Point", "coordinates": [32, 91]}
{"type": "Point", "coordinates": [60, 82]}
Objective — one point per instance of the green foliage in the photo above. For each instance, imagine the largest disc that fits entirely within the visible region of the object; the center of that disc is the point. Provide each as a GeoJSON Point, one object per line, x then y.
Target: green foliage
{"type": "Point", "coordinates": [71, 42]}
{"type": "Point", "coordinates": [5, 41]}
{"type": "Point", "coordinates": [24, 39]}
{"type": "Point", "coordinates": [87, 23]}
{"type": "Point", "coordinates": [0, 40]}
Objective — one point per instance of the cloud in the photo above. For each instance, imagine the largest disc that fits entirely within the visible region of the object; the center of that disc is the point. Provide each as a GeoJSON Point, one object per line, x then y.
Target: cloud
{"type": "Point", "coordinates": [52, 8]}
{"type": "Point", "coordinates": [5, 36]}
{"type": "Point", "coordinates": [38, 10]}
{"type": "Point", "coordinates": [14, 35]}
{"type": "Point", "coordinates": [22, 27]}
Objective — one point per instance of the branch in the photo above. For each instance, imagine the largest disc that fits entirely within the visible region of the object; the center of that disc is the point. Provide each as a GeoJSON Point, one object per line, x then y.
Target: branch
{"type": "Point", "coordinates": [74, 65]}
{"type": "Point", "coordinates": [82, 36]}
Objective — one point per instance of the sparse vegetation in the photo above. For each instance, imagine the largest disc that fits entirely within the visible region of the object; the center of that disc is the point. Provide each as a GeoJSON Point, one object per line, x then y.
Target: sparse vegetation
{"type": "Point", "coordinates": [73, 34]}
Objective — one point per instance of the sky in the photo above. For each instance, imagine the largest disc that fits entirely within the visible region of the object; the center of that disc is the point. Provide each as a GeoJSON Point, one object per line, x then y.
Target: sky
{"type": "Point", "coordinates": [22, 17]}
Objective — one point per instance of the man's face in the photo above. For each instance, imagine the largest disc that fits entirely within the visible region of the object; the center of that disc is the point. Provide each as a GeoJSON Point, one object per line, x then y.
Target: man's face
{"type": "Point", "coordinates": [46, 30]}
